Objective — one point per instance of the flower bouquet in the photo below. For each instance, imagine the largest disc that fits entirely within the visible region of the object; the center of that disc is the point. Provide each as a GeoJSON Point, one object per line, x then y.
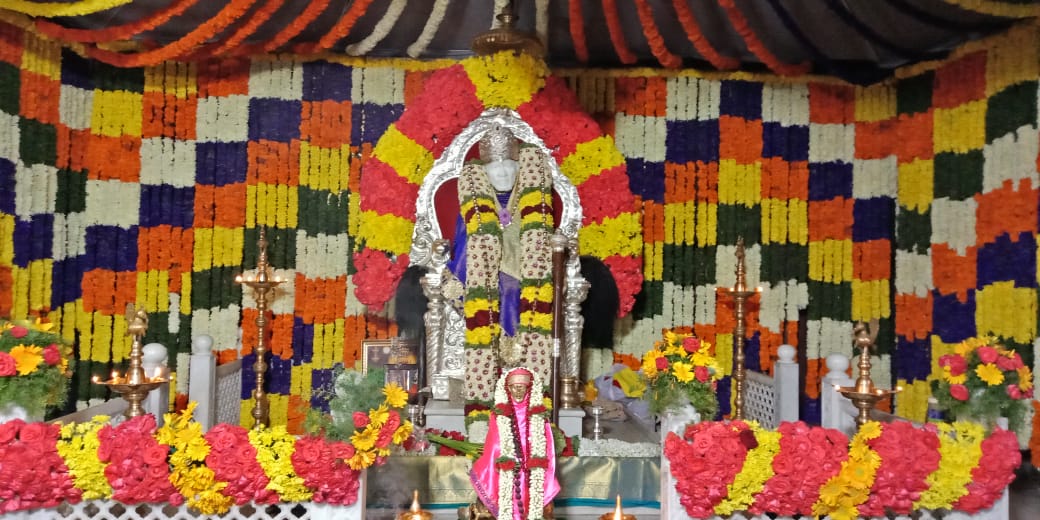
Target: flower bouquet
{"type": "Point", "coordinates": [34, 366]}
{"type": "Point", "coordinates": [680, 369]}
{"type": "Point", "coordinates": [982, 381]}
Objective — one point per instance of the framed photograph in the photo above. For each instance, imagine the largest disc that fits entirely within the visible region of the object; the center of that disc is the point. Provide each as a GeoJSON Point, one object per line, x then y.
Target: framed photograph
{"type": "Point", "coordinates": [398, 356]}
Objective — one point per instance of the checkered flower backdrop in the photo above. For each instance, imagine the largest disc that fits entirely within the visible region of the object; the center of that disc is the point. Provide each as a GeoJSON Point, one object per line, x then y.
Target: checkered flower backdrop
{"type": "Point", "coordinates": [913, 202]}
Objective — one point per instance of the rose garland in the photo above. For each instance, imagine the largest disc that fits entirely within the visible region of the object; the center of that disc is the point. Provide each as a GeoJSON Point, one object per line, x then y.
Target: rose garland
{"type": "Point", "coordinates": [723, 467]}
{"type": "Point", "coordinates": [509, 462]}
{"type": "Point", "coordinates": [403, 155]}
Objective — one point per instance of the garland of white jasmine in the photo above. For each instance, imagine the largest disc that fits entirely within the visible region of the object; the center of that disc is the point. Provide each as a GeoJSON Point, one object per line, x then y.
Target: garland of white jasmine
{"type": "Point", "coordinates": [477, 205]}
{"type": "Point", "coordinates": [508, 463]}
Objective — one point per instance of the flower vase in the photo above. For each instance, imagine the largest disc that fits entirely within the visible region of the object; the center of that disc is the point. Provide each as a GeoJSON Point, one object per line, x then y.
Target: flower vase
{"type": "Point", "coordinates": [673, 421]}
{"type": "Point", "coordinates": [11, 411]}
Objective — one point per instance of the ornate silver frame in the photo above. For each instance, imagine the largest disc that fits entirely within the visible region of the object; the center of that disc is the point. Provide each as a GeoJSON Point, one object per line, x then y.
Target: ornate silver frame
{"type": "Point", "coordinates": [445, 325]}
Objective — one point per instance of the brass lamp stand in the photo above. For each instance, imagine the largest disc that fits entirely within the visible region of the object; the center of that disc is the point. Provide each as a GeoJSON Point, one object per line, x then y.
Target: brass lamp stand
{"type": "Point", "coordinates": [263, 286]}
{"type": "Point", "coordinates": [740, 294]}
{"type": "Point", "coordinates": [135, 385]}
{"type": "Point", "coordinates": [864, 395]}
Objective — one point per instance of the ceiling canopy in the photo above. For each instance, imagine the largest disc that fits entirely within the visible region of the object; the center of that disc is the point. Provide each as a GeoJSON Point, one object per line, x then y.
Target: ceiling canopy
{"type": "Point", "coordinates": [861, 41]}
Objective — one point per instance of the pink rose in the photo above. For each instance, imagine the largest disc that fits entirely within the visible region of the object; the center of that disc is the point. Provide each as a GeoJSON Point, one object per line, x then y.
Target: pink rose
{"type": "Point", "coordinates": [19, 331]}
{"type": "Point", "coordinates": [959, 392]}
{"type": "Point", "coordinates": [51, 355]}
{"type": "Point", "coordinates": [9, 430]}
{"type": "Point", "coordinates": [1013, 392]}
{"type": "Point", "coordinates": [1009, 363]}
{"type": "Point", "coordinates": [702, 374]}
{"type": "Point", "coordinates": [8, 367]}
{"type": "Point", "coordinates": [691, 344]}
{"type": "Point", "coordinates": [155, 454]}
{"type": "Point", "coordinates": [34, 432]}
{"type": "Point", "coordinates": [958, 365]}
{"type": "Point", "coordinates": [221, 438]}
{"type": "Point", "coordinates": [308, 449]}
{"type": "Point", "coordinates": [987, 354]}
{"type": "Point", "coordinates": [662, 363]}
{"type": "Point", "coordinates": [361, 419]}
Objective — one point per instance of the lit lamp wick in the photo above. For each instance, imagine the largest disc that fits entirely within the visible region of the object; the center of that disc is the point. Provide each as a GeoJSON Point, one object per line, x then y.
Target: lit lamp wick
{"type": "Point", "coordinates": [415, 512]}
{"type": "Point", "coordinates": [617, 514]}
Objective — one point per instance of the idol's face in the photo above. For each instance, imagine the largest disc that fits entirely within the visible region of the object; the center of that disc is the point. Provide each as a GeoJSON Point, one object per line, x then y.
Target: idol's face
{"type": "Point", "coordinates": [502, 174]}
{"type": "Point", "coordinates": [518, 390]}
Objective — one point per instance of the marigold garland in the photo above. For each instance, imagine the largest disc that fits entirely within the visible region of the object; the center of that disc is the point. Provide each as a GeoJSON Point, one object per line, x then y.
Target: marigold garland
{"type": "Point", "coordinates": [56, 9]}
{"type": "Point", "coordinates": [693, 32]}
{"type": "Point", "coordinates": [757, 470]}
{"type": "Point", "coordinates": [118, 32]}
{"type": "Point", "coordinates": [617, 34]}
{"type": "Point", "coordinates": [204, 32]}
{"type": "Point", "coordinates": [755, 45]}
{"type": "Point", "coordinates": [959, 453]}
{"type": "Point", "coordinates": [667, 58]}
{"type": "Point", "coordinates": [188, 470]}
{"type": "Point", "coordinates": [274, 448]}
{"type": "Point", "coordinates": [341, 29]}
{"type": "Point", "coordinates": [78, 445]}
{"type": "Point", "coordinates": [576, 24]}
{"type": "Point", "coordinates": [843, 493]}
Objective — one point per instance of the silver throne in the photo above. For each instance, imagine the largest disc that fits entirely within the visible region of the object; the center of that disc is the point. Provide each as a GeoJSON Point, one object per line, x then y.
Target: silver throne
{"type": "Point", "coordinates": [444, 320]}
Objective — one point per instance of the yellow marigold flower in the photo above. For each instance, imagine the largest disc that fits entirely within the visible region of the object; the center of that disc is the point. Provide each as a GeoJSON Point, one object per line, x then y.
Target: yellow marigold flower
{"type": "Point", "coordinates": [990, 373]}
{"type": "Point", "coordinates": [362, 459]}
{"type": "Point", "coordinates": [396, 397]}
{"type": "Point", "coordinates": [365, 439]}
{"type": "Point", "coordinates": [649, 366]}
{"type": "Point", "coordinates": [26, 358]}
{"type": "Point", "coordinates": [1025, 378]}
{"type": "Point", "coordinates": [952, 379]}
{"type": "Point", "coordinates": [402, 432]}
{"type": "Point", "coordinates": [379, 415]}
{"type": "Point", "coordinates": [683, 371]}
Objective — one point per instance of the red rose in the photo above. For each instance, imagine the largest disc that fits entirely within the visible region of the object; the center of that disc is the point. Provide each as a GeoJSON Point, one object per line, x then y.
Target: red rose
{"type": "Point", "coordinates": [7, 365]}
{"type": "Point", "coordinates": [51, 355]}
{"type": "Point", "coordinates": [361, 419]}
{"type": "Point", "coordinates": [987, 354]}
{"type": "Point", "coordinates": [702, 374]}
{"type": "Point", "coordinates": [9, 430]}
{"type": "Point", "coordinates": [959, 392]}
{"type": "Point", "coordinates": [19, 331]}
{"type": "Point", "coordinates": [662, 363]}
{"type": "Point", "coordinates": [1014, 392]}
{"type": "Point", "coordinates": [958, 365]}
{"type": "Point", "coordinates": [342, 450]}
{"type": "Point", "coordinates": [155, 454]}
{"type": "Point", "coordinates": [34, 432]}
{"type": "Point", "coordinates": [307, 449]}
{"type": "Point", "coordinates": [538, 462]}
{"type": "Point", "coordinates": [691, 344]}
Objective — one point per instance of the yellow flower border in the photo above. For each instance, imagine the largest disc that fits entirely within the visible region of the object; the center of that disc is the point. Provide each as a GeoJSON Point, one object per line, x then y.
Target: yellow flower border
{"type": "Point", "coordinates": [960, 449]}
{"type": "Point", "coordinates": [78, 446]}
{"type": "Point", "coordinates": [841, 496]}
{"type": "Point", "coordinates": [757, 470]}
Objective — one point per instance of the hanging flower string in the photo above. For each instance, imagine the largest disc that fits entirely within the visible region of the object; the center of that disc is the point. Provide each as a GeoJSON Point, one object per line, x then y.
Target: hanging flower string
{"type": "Point", "coordinates": [667, 58]}
{"type": "Point", "coordinates": [755, 45]}
{"type": "Point", "coordinates": [576, 24]}
{"type": "Point", "coordinates": [693, 32]}
{"type": "Point", "coordinates": [617, 34]}
{"type": "Point", "coordinates": [118, 32]}
{"type": "Point", "coordinates": [56, 9]}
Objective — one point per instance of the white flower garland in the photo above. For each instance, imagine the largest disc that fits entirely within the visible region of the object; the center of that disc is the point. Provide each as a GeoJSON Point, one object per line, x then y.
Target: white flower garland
{"type": "Point", "coordinates": [429, 30]}
{"type": "Point", "coordinates": [379, 32]}
{"type": "Point", "coordinates": [539, 449]}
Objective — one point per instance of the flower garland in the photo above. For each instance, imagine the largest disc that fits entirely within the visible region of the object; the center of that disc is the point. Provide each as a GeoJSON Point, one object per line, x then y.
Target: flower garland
{"type": "Point", "coordinates": [617, 34]}
{"type": "Point", "coordinates": [509, 462]}
{"type": "Point", "coordinates": [137, 468]}
{"type": "Point", "coordinates": [240, 33]}
{"type": "Point", "coordinates": [341, 29]}
{"type": "Point", "coordinates": [757, 470]}
{"type": "Point", "coordinates": [304, 19]}
{"type": "Point", "coordinates": [274, 448]}
{"type": "Point", "coordinates": [403, 155]}
{"type": "Point", "coordinates": [115, 33]}
{"type": "Point", "coordinates": [705, 462]}
{"type": "Point", "coordinates": [908, 456]}
{"type": "Point", "coordinates": [379, 32]}
{"type": "Point", "coordinates": [792, 490]}
{"type": "Point", "coordinates": [187, 460]}
{"type": "Point", "coordinates": [234, 460]}
{"type": "Point", "coordinates": [56, 9]}
{"type": "Point", "coordinates": [34, 475]}
{"type": "Point", "coordinates": [755, 45]}
{"type": "Point", "coordinates": [78, 446]}
{"type": "Point", "coordinates": [959, 453]}
{"type": "Point", "coordinates": [576, 24]}
{"type": "Point", "coordinates": [667, 58]}
{"type": "Point", "coordinates": [231, 12]}
{"type": "Point", "coordinates": [483, 254]}
{"type": "Point", "coordinates": [844, 492]}
{"type": "Point", "coordinates": [995, 471]}
{"type": "Point", "coordinates": [440, 7]}
{"type": "Point", "coordinates": [693, 32]}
